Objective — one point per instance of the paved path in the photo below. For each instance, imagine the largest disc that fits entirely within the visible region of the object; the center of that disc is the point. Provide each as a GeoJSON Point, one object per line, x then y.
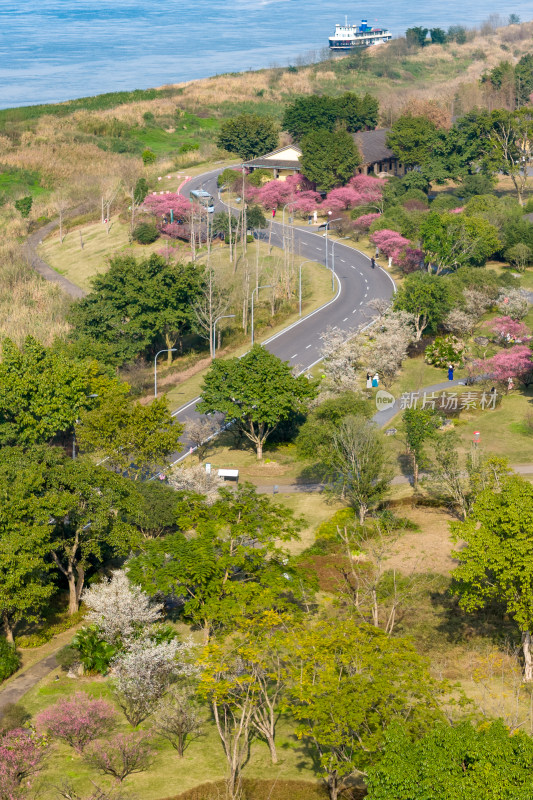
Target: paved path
{"type": "Point", "coordinates": [40, 266]}
{"type": "Point", "coordinates": [22, 683]}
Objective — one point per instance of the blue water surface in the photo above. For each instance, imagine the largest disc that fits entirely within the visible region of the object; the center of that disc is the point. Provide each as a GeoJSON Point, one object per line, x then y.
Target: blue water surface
{"type": "Point", "coordinates": [55, 50]}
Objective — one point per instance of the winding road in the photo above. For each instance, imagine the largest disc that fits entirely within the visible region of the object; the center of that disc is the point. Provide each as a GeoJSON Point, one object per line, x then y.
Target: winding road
{"type": "Point", "coordinates": [357, 283]}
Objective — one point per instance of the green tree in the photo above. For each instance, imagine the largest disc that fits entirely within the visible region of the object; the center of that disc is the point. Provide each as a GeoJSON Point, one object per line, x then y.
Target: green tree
{"type": "Point", "coordinates": [256, 392]}
{"type": "Point", "coordinates": [43, 391]}
{"type": "Point", "coordinates": [420, 425]}
{"type": "Point", "coordinates": [140, 191]}
{"type": "Point", "coordinates": [417, 36]}
{"type": "Point", "coordinates": [249, 135]}
{"type": "Point", "coordinates": [448, 762]}
{"type": "Point", "coordinates": [412, 139]}
{"type": "Point", "coordinates": [229, 177]}
{"type": "Point", "coordinates": [496, 557]}
{"type": "Point", "coordinates": [226, 561]}
{"type": "Point", "coordinates": [316, 434]}
{"type": "Point", "coordinates": [148, 157]}
{"type": "Point", "coordinates": [524, 79]}
{"type": "Point", "coordinates": [357, 464]}
{"type": "Point", "coordinates": [427, 297]}
{"type": "Point", "coordinates": [347, 682]}
{"type": "Point", "coordinates": [83, 505]}
{"type": "Point", "coordinates": [134, 438]}
{"type": "Point", "coordinates": [450, 241]}
{"type": "Point", "coordinates": [311, 113]}
{"type": "Point", "coordinates": [255, 218]}
{"type": "Point", "coordinates": [438, 36]}
{"type": "Point", "coordinates": [25, 541]}
{"type": "Point", "coordinates": [23, 205]}
{"type": "Point", "coordinates": [357, 113]}
{"type": "Point", "coordinates": [519, 255]}
{"type": "Point", "coordinates": [329, 159]}
{"type": "Point", "coordinates": [507, 146]}
{"type": "Point", "coordinates": [138, 305]}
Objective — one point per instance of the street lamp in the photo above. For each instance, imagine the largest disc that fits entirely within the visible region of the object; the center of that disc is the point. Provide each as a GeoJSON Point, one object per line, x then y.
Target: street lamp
{"type": "Point", "coordinates": [300, 285]}
{"type": "Point", "coordinates": [266, 286]}
{"type": "Point", "coordinates": [328, 223]}
{"type": "Point", "coordinates": [333, 243]}
{"type": "Point", "coordinates": [164, 350]}
{"type": "Point", "coordinates": [224, 316]}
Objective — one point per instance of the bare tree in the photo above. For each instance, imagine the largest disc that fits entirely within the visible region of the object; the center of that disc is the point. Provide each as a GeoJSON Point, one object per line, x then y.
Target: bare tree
{"type": "Point", "coordinates": [61, 204]}
{"type": "Point", "coordinates": [377, 594]}
{"type": "Point", "coordinates": [196, 479]}
{"type": "Point", "coordinates": [199, 432]}
{"type": "Point", "coordinates": [212, 303]}
{"type": "Point", "coordinates": [177, 718]}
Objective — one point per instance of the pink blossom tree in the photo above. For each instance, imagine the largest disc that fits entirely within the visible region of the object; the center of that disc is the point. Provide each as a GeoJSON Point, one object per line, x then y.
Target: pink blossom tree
{"type": "Point", "coordinates": [364, 222]}
{"type": "Point", "coordinates": [21, 757]}
{"type": "Point", "coordinates": [342, 198]}
{"type": "Point", "coordinates": [370, 190]}
{"type": "Point", "coordinates": [77, 720]}
{"type": "Point", "coordinates": [306, 202]}
{"type": "Point", "coordinates": [160, 205]}
{"type": "Point", "coordinates": [391, 243]}
{"type": "Point", "coordinates": [409, 259]}
{"type": "Point", "coordinates": [120, 756]}
{"type": "Point", "coordinates": [513, 363]}
{"type": "Point", "coordinates": [509, 330]}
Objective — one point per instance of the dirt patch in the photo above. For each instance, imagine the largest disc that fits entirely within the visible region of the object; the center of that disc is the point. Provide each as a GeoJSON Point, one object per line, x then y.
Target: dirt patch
{"type": "Point", "coordinates": [426, 550]}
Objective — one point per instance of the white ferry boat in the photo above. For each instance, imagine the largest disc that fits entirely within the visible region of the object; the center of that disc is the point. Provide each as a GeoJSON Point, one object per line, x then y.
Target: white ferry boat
{"type": "Point", "coordinates": [347, 37]}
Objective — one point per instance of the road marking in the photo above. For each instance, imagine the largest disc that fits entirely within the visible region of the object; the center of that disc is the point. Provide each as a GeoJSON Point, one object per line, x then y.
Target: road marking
{"type": "Point", "coordinates": [345, 318]}
{"type": "Point", "coordinates": [343, 261]}
{"type": "Point", "coordinates": [366, 294]}
{"type": "Point", "coordinates": [360, 302]}
{"type": "Point", "coordinates": [360, 273]}
{"type": "Point", "coordinates": [294, 356]}
{"type": "Point", "coordinates": [319, 248]}
{"type": "Point", "coordinates": [353, 312]}
{"type": "Point", "coordinates": [308, 346]}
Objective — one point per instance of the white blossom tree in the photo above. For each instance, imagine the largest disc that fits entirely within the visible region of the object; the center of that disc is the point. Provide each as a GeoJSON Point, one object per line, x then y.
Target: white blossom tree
{"type": "Point", "coordinates": [120, 609]}
{"type": "Point", "coordinates": [341, 351]}
{"type": "Point", "coordinates": [388, 342]}
{"type": "Point", "coordinates": [143, 673]}
{"type": "Point", "coordinates": [196, 479]}
{"type": "Point", "coordinates": [513, 303]}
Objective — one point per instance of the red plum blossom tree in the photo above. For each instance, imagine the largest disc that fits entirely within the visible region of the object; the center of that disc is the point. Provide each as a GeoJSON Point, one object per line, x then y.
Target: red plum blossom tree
{"type": "Point", "coordinates": [364, 222]}
{"type": "Point", "coordinates": [77, 720]}
{"type": "Point", "coordinates": [160, 205]}
{"type": "Point", "coordinates": [513, 363]}
{"type": "Point", "coordinates": [509, 330]}
{"type": "Point", "coordinates": [21, 757]}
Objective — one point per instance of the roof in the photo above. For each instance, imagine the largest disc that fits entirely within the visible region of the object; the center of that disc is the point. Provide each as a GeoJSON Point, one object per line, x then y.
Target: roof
{"type": "Point", "coordinates": [372, 145]}
{"type": "Point", "coordinates": [269, 160]}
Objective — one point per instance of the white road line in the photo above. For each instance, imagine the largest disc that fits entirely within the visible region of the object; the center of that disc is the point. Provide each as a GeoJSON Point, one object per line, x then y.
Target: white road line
{"type": "Point", "coordinates": [294, 356]}
{"type": "Point", "coordinates": [360, 302]}
{"type": "Point", "coordinates": [345, 318]}
{"type": "Point", "coordinates": [366, 295]}
{"type": "Point", "coordinates": [342, 259]}
{"type": "Point", "coordinates": [319, 248]}
{"type": "Point", "coordinates": [308, 346]}
{"type": "Point", "coordinates": [353, 312]}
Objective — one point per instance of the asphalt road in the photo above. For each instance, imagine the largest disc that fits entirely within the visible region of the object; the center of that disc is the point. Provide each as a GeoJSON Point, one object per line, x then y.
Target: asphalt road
{"type": "Point", "coordinates": [355, 281]}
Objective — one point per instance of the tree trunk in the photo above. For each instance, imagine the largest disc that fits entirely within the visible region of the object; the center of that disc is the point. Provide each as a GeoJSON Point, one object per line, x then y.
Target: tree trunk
{"type": "Point", "coordinates": [333, 786]}
{"type": "Point", "coordinates": [8, 630]}
{"type": "Point", "coordinates": [415, 472]}
{"type": "Point", "coordinates": [73, 604]}
{"type": "Point", "coordinates": [259, 447]}
{"type": "Point", "coordinates": [272, 748]}
{"type": "Point", "coordinates": [528, 662]}
{"type": "Point", "coordinates": [362, 514]}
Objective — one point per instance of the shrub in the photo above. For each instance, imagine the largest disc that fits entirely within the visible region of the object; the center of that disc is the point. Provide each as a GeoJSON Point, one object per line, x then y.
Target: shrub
{"type": "Point", "coordinates": [148, 157]}
{"type": "Point", "coordinates": [145, 233]}
{"type": "Point", "coordinates": [445, 350]}
{"type": "Point", "coordinates": [67, 657]}
{"type": "Point", "coordinates": [23, 205]}
{"type": "Point", "coordinates": [14, 716]}
{"type": "Point", "coordinates": [77, 720]}
{"type": "Point", "coordinates": [9, 659]}
{"type": "Point", "coordinates": [340, 519]}
{"type": "Point", "coordinates": [125, 754]}
{"type": "Point", "coordinates": [21, 756]}
{"type": "Point", "coordinates": [49, 631]}
{"type": "Point", "coordinates": [188, 147]}
{"type": "Point", "coordinates": [94, 653]}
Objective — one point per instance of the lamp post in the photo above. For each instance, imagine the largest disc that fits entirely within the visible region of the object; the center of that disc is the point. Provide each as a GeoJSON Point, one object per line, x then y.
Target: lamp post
{"type": "Point", "coordinates": [266, 286]}
{"type": "Point", "coordinates": [224, 316]}
{"type": "Point", "coordinates": [300, 286]}
{"type": "Point", "coordinates": [333, 243]}
{"type": "Point", "coordinates": [328, 223]}
{"type": "Point", "coordinates": [164, 350]}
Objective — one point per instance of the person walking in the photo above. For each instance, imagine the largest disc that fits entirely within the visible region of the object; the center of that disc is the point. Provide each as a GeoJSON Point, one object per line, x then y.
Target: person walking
{"type": "Point", "coordinates": [368, 380]}
{"type": "Point", "coordinates": [375, 381]}
{"type": "Point", "coordinates": [373, 263]}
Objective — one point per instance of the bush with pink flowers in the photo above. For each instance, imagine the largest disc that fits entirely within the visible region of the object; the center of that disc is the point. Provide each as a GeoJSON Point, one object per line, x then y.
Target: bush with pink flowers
{"type": "Point", "coordinates": [21, 757]}
{"type": "Point", "coordinates": [77, 720]}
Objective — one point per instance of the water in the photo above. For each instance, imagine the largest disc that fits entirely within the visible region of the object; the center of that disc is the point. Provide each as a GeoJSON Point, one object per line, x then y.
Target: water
{"type": "Point", "coordinates": [54, 50]}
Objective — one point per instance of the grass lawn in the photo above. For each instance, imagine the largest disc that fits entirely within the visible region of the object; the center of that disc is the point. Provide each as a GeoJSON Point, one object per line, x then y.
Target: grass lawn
{"type": "Point", "coordinates": [169, 775]}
